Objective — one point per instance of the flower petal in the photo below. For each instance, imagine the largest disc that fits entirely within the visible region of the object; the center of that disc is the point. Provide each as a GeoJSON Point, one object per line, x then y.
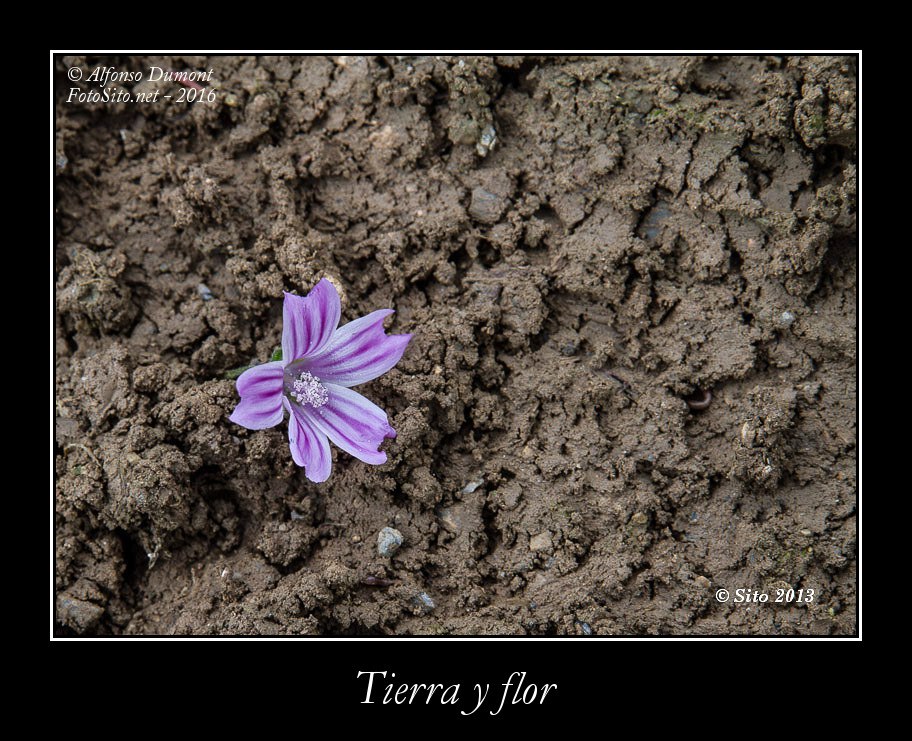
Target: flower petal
{"type": "Point", "coordinates": [309, 322]}
{"type": "Point", "coordinates": [309, 446]}
{"type": "Point", "coordinates": [359, 352]}
{"type": "Point", "coordinates": [260, 389]}
{"type": "Point", "coordinates": [356, 425]}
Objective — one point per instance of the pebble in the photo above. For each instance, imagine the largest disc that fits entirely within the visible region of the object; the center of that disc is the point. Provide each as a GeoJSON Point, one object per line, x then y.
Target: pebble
{"type": "Point", "coordinates": [203, 290]}
{"type": "Point", "coordinates": [388, 541]}
{"type": "Point", "coordinates": [487, 141]}
{"type": "Point", "coordinates": [639, 523]}
{"type": "Point", "coordinates": [703, 582]}
{"type": "Point", "coordinates": [540, 542]}
{"type": "Point", "coordinates": [472, 486]}
{"type": "Point", "coordinates": [486, 207]}
{"type": "Point", "coordinates": [748, 434]}
{"type": "Point", "coordinates": [786, 319]}
{"type": "Point", "coordinates": [585, 628]}
{"type": "Point", "coordinates": [450, 519]}
{"type": "Point", "coordinates": [424, 602]}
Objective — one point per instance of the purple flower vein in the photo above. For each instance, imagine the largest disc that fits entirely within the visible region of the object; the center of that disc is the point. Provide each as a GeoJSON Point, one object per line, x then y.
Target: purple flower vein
{"type": "Point", "coordinates": [320, 363]}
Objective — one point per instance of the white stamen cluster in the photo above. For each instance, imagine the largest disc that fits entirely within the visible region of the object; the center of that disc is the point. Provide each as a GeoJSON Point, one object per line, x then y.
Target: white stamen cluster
{"type": "Point", "coordinates": [307, 389]}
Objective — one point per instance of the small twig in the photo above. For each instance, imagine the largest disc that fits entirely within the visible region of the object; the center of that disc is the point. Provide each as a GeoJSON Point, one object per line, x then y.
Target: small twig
{"type": "Point", "coordinates": [625, 387]}
{"type": "Point", "coordinates": [376, 581]}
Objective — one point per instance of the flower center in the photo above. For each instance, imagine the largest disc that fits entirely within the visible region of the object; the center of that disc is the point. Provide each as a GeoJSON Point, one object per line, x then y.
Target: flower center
{"type": "Point", "coordinates": [305, 388]}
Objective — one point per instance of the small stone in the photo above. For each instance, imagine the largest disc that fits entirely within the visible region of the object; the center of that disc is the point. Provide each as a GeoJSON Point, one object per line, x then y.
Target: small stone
{"type": "Point", "coordinates": [472, 486]}
{"type": "Point", "coordinates": [786, 319]}
{"type": "Point", "coordinates": [486, 207]}
{"type": "Point", "coordinates": [703, 582]}
{"type": "Point", "coordinates": [203, 290]}
{"type": "Point", "coordinates": [423, 602]}
{"type": "Point", "coordinates": [540, 542]}
{"type": "Point", "coordinates": [486, 141]}
{"type": "Point", "coordinates": [388, 541]}
{"type": "Point", "coordinates": [585, 628]}
{"type": "Point", "coordinates": [639, 523]}
{"type": "Point", "coordinates": [806, 532]}
{"type": "Point", "coordinates": [450, 519]}
{"type": "Point", "coordinates": [748, 435]}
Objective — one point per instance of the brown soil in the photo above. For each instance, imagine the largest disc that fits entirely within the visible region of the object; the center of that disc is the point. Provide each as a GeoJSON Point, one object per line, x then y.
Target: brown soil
{"type": "Point", "coordinates": [642, 231]}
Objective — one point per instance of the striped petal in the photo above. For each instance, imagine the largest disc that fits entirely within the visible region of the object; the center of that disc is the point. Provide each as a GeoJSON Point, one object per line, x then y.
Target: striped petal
{"type": "Point", "coordinates": [309, 446]}
{"type": "Point", "coordinates": [359, 352]}
{"type": "Point", "coordinates": [353, 423]}
{"type": "Point", "coordinates": [260, 389]}
{"type": "Point", "coordinates": [308, 322]}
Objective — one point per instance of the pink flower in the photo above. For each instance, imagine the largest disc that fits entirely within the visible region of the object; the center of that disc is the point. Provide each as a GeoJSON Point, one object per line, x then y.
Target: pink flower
{"type": "Point", "coordinates": [320, 363]}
